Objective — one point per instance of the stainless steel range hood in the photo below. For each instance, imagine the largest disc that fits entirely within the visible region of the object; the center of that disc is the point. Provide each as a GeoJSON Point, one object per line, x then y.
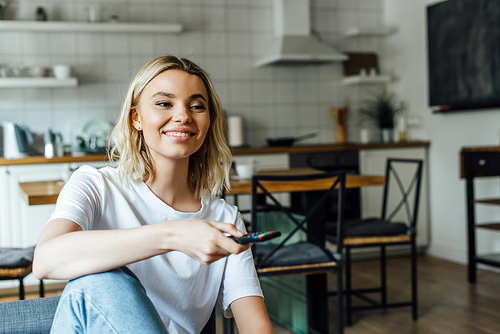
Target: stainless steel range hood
{"type": "Point", "coordinates": [293, 43]}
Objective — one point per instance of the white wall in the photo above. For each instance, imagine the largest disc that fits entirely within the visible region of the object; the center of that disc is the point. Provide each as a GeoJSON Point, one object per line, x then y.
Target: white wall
{"type": "Point", "coordinates": [406, 55]}
{"type": "Point", "coordinates": [223, 36]}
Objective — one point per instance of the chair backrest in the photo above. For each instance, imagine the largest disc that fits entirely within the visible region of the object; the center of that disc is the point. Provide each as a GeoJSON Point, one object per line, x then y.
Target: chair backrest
{"type": "Point", "coordinates": [311, 222]}
{"type": "Point", "coordinates": [406, 186]}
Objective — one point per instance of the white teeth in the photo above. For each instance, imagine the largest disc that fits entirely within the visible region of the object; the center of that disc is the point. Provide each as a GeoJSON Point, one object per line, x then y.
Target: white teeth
{"type": "Point", "coordinates": [178, 134]}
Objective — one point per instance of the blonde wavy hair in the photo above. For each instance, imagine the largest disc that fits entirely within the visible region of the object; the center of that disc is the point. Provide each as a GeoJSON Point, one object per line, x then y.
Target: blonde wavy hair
{"type": "Point", "coordinates": [208, 167]}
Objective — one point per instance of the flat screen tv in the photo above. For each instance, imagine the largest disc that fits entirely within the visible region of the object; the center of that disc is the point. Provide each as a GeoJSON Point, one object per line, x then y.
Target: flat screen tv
{"type": "Point", "coordinates": [464, 54]}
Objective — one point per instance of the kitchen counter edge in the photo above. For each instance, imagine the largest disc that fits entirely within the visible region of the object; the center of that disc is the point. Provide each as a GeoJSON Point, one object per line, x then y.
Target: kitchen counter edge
{"type": "Point", "coordinates": [64, 159]}
{"type": "Point", "coordinates": [235, 151]}
{"type": "Point", "coordinates": [327, 147]}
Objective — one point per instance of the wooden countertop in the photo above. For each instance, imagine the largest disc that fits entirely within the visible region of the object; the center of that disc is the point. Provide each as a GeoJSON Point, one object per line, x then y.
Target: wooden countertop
{"type": "Point", "coordinates": [43, 192]}
{"type": "Point", "coordinates": [327, 147]}
{"type": "Point", "coordinates": [481, 149]}
{"type": "Point", "coordinates": [235, 151]}
{"type": "Point", "coordinates": [43, 160]}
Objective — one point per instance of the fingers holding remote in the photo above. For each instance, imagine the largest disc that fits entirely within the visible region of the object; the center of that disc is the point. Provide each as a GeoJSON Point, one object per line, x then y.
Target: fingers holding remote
{"type": "Point", "coordinates": [203, 240]}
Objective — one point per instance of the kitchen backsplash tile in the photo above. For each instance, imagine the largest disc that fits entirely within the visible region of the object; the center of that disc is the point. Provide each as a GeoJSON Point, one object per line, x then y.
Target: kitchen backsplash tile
{"type": "Point", "coordinates": [224, 36]}
{"type": "Point", "coordinates": [263, 93]}
{"type": "Point", "coordinates": [10, 97]}
{"type": "Point", "coordinates": [238, 19]}
{"type": "Point", "coordinates": [90, 68]}
{"type": "Point", "coordinates": [66, 97]}
{"type": "Point", "coordinates": [10, 43]}
{"type": "Point", "coordinates": [35, 43]}
{"type": "Point", "coordinates": [116, 44]}
{"type": "Point", "coordinates": [166, 44]}
{"type": "Point", "coordinates": [89, 44]}
{"type": "Point", "coordinates": [62, 43]}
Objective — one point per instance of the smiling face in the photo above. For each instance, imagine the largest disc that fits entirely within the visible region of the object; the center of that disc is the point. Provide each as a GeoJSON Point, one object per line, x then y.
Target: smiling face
{"type": "Point", "coordinates": [173, 114]}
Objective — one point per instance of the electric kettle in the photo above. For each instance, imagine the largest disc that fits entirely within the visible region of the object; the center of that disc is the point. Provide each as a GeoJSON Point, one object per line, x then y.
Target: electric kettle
{"type": "Point", "coordinates": [16, 140]}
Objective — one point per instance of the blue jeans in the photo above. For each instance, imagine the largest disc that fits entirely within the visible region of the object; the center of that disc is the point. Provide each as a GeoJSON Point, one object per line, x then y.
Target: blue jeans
{"type": "Point", "coordinates": [109, 302]}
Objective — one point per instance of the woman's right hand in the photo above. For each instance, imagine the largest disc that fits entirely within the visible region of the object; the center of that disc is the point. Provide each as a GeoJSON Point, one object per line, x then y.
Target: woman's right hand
{"type": "Point", "coordinates": [203, 240]}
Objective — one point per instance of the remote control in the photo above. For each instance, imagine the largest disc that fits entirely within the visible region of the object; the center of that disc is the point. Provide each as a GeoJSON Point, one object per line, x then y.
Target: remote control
{"type": "Point", "coordinates": [256, 237]}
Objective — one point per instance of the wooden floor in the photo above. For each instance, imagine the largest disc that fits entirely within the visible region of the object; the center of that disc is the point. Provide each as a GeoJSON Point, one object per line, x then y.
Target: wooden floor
{"type": "Point", "coordinates": [448, 304]}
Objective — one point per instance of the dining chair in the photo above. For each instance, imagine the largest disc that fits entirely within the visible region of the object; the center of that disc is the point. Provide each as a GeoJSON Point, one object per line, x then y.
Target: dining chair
{"type": "Point", "coordinates": [305, 255]}
{"type": "Point", "coordinates": [395, 228]}
{"type": "Point", "coordinates": [15, 264]}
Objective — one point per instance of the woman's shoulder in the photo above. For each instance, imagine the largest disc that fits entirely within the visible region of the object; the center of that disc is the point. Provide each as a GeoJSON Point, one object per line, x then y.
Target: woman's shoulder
{"type": "Point", "coordinates": [94, 175]}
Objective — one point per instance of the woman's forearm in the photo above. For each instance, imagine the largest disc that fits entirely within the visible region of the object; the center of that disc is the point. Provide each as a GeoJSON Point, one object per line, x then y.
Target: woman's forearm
{"type": "Point", "coordinates": [67, 252]}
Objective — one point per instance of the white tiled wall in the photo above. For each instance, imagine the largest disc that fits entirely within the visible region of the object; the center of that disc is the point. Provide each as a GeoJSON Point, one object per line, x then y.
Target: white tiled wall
{"type": "Point", "coordinates": [223, 36]}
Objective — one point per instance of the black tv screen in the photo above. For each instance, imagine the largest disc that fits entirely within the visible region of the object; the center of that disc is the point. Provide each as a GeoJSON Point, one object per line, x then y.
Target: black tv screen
{"type": "Point", "coordinates": [464, 54]}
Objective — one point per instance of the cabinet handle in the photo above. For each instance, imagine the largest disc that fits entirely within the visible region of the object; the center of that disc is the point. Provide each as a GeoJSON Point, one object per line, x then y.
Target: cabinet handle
{"type": "Point", "coordinates": [482, 162]}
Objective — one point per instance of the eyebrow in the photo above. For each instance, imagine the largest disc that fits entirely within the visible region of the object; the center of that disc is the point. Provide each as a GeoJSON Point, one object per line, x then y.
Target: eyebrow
{"type": "Point", "coordinates": [170, 95]}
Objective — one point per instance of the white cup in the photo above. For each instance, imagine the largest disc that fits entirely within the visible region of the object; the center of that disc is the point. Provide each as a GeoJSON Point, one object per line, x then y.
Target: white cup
{"type": "Point", "coordinates": [61, 71]}
{"type": "Point", "coordinates": [364, 136]}
{"type": "Point", "coordinates": [244, 171]}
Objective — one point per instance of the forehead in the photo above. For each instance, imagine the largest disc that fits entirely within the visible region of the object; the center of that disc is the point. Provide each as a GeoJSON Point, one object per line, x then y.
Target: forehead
{"type": "Point", "coordinates": [176, 82]}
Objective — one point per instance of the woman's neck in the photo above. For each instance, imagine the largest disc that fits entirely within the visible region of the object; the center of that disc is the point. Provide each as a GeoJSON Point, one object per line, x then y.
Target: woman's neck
{"type": "Point", "coordinates": [170, 184]}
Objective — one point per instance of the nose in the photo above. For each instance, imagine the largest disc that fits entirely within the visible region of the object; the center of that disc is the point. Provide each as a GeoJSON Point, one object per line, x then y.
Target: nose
{"type": "Point", "coordinates": [182, 114]}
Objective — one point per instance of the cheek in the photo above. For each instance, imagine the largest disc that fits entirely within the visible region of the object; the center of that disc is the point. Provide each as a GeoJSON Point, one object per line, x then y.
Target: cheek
{"type": "Point", "coordinates": [205, 127]}
{"type": "Point", "coordinates": [154, 119]}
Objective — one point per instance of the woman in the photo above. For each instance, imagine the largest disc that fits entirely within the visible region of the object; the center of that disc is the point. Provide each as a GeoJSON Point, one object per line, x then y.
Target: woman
{"type": "Point", "coordinates": [157, 213]}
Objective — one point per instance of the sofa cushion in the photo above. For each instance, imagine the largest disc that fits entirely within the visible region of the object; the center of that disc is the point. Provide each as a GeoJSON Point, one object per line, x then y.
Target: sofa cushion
{"type": "Point", "coordinates": [30, 316]}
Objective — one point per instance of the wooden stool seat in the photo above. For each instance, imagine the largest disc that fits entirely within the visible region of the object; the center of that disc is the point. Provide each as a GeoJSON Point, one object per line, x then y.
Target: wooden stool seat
{"type": "Point", "coordinates": [16, 264]}
{"type": "Point", "coordinates": [351, 241]}
{"type": "Point", "coordinates": [15, 272]}
{"type": "Point", "coordinates": [312, 269]}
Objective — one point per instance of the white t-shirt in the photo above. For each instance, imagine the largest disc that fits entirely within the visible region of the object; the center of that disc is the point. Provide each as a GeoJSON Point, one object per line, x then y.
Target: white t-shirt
{"type": "Point", "coordinates": [183, 290]}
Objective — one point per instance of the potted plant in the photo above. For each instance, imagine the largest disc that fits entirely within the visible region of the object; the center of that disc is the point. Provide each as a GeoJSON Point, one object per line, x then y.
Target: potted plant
{"type": "Point", "coordinates": [382, 109]}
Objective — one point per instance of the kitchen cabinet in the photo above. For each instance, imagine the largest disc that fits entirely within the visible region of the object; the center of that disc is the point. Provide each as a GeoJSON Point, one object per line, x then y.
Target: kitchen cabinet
{"type": "Point", "coordinates": [374, 162]}
{"type": "Point", "coordinates": [21, 224]}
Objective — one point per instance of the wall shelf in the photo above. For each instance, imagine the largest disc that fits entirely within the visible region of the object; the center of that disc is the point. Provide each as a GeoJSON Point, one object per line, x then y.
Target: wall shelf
{"type": "Point", "coordinates": [366, 80]}
{"type": "Point", "coordinates": [37, 82]}
{"type": "Point", "coordinates": [62, 26]}
{"type": "Point", "coordinates": [380, 31]}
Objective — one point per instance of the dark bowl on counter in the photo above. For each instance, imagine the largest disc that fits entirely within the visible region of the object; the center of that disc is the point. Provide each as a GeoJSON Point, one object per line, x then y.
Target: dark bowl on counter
{"type": "Point", "coordinates": [288, 141]}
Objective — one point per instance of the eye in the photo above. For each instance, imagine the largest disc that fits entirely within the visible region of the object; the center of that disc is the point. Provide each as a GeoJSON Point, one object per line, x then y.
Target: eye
{"type": "Point", "coordinates": [163, 104]}
{"type": "Point", "coordinates": [198, 107]}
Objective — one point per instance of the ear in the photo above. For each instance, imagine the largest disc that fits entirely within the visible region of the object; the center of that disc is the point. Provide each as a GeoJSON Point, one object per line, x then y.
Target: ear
{"type": "Point", "coordinates": [136, 119]}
